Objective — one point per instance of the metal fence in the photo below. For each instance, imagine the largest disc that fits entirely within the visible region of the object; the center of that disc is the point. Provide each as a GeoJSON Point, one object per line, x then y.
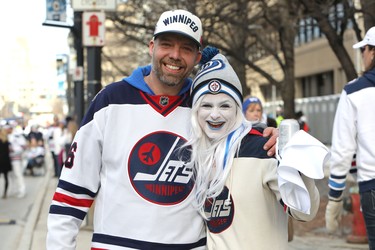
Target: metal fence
{"type": "Point", "coordinates": [319, 111]}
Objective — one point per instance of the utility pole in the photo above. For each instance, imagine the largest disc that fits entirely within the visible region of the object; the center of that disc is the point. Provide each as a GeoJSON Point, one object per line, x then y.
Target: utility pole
{"type": "Point", "coordinates": [78, 83]}
{"type": "Point", "coordinates": [93, 39]}
{"type": "Point", "coordinates": [94, 72]}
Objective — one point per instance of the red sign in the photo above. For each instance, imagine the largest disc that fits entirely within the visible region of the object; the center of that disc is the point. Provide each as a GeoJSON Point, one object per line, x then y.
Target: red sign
{"type": "Point", "coordinates": [94, 24]}
{"type": "Point", "coordinates": [93, 28]}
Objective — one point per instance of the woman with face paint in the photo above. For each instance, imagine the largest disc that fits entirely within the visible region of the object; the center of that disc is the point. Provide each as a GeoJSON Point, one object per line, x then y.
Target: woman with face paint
{"type": "Point", "coordinates": [236, 187]}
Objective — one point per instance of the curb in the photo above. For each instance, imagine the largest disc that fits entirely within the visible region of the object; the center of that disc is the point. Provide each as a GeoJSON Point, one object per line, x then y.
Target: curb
{"type": "Point", "coordinates": [28, 231]}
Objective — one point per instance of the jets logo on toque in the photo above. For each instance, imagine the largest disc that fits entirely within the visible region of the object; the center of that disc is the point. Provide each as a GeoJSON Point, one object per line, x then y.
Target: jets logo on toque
{"type": "Point", "coordinates": [214, 87]}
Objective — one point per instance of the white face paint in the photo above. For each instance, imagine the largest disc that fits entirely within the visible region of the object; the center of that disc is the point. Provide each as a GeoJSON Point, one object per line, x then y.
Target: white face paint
{"type": "Point", "coordinates": [217, 115]}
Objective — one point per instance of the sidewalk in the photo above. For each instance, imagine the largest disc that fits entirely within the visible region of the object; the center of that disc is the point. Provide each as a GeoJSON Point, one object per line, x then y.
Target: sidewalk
{"type": "Point", "coordinates": [40, 231]}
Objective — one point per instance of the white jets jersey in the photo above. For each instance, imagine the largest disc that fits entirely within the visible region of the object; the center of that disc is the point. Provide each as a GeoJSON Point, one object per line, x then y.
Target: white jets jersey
{"type": "Point", "coordinates": [126, 155]}
{"type": "Point", "coordinates": [249, 213]}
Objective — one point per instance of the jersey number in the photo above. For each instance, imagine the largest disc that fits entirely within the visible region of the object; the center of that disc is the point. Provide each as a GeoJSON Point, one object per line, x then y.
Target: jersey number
{"type": "Point", "coordinates": [70, 157]}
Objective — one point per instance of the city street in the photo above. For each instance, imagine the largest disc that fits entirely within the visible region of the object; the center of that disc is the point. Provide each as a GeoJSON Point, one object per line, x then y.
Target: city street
{"type": "Point", "coordinates": [23, 221]}
{"type": "Point", "coordinates": [18, 215]}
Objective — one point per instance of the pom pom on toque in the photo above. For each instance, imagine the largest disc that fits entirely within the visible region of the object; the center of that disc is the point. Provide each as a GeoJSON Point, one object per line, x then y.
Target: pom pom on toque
{"type": "Point", "coordinates": [215, 76]}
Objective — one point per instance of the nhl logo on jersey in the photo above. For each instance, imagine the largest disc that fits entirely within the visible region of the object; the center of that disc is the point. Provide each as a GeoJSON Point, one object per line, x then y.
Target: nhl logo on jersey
{"type": "Point", "coordinates": [164, 100]}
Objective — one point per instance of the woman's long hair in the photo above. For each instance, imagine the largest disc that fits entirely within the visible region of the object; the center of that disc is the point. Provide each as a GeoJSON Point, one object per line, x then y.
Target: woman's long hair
{"type": "Point", "coordinates": [211, 160]}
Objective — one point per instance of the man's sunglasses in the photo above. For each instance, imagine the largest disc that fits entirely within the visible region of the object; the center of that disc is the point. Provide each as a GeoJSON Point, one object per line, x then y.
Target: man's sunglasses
{"type": "Point", "coordinates": [363, 48]}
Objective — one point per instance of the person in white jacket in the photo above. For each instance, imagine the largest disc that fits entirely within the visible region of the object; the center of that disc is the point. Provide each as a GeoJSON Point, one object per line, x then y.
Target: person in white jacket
{"type": "Point", "coordinates": [18, 144]}
{"type": "Point", "coordinates": [354, 134]}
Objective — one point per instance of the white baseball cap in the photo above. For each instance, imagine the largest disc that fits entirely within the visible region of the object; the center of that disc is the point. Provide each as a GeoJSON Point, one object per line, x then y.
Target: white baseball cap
{"type": "Point", "coordinates": [369, 39]}
{"type": "Point", "coordinates": [181, 22]}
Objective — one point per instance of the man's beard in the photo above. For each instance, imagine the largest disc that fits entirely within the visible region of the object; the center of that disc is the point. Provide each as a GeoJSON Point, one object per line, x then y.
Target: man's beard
{"type": "Point", "coordinates": [167, 80]}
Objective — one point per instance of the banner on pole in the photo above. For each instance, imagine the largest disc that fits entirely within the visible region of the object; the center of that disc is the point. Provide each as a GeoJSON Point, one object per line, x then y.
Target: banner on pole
{"type": "Point", "coordinates": [82, 5]}
{"type": "Point", "coordinates": [56, 11]}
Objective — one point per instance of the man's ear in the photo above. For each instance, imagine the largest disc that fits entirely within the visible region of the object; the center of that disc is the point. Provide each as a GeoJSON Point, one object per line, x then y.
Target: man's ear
{"type": "Point", "coordinates": [151, 46]}
{"type": "Point", "coordinates": [199, 56]}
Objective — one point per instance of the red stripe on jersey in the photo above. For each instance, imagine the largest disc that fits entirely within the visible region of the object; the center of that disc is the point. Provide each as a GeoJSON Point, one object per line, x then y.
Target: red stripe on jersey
{"type": "Point", "coordinates": [72, 201]}
{"type": "Point", "coordinates": [255, 132]}
{"type": "Point", "coordinates": [163, 104]}
{"type": "Point", "coordinates": [285, 208]}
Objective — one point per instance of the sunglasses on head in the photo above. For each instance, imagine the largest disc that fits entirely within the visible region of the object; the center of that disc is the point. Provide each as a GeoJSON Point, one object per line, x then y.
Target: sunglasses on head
{"type": "Point", "coordinates": [363, 48]}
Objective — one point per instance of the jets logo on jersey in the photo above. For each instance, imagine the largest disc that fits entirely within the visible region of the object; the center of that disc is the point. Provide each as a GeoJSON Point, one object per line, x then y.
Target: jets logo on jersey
{"type": "Point", "coordinates": [220, 212]}
{"type": "Point", "coordinates": [157, 168]}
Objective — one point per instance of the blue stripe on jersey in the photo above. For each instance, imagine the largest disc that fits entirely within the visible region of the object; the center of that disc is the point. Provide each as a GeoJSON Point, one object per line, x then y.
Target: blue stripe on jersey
{"type": "Point", "coordinates": [336, 185]}
{"type": "Point", "coordinates": [335, 193]}
{"type": "Point", "coordinates": [353, 170]}
{"type": "Point", "coordinates": [366, 81]}
{"type": "Point", "coordinates": [332, 176]}
{"type": "Point", "coordinates": [75, 189]}
{"type": "Point", "coordinates": [138, 244]}
{"type": "Point", "coordinates": [79, 214]}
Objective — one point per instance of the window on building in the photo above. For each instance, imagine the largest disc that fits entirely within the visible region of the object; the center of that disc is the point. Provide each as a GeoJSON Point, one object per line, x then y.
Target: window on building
{"type": "Point", "coordinates": [308, 28]}
{"type": "Point", "coordinates": [267, 92]}
{"type": "Point", "coordinates": [317, 85]}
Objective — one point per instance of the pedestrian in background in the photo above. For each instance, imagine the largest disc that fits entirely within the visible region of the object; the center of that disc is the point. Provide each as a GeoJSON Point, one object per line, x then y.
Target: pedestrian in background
{"type": "Point", "coordinates": [69, 133]}
{"type": "Point", "coordinates": [236, 182]}
{"type": "Point", "coordinates": [59, 138]}
{"type": "Point", "coordinates": [5, 162]}
{"type": "Point", "coordinates": [279, 115]}
{"type": "Point", "coordinates": [18, 145]}
{"type": "Point", "coordinates": [35, 133]}
{"type": "Point", "coordinates": [302, 121]}
{"type": "Point", "coordinates": [354, 134]}
{"type": "Point", "coordinates": [52, 144]}
{"type": "Point", "coordinates": [125, 154]}
{"type": "Point", "coordinates": [253, 110]}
